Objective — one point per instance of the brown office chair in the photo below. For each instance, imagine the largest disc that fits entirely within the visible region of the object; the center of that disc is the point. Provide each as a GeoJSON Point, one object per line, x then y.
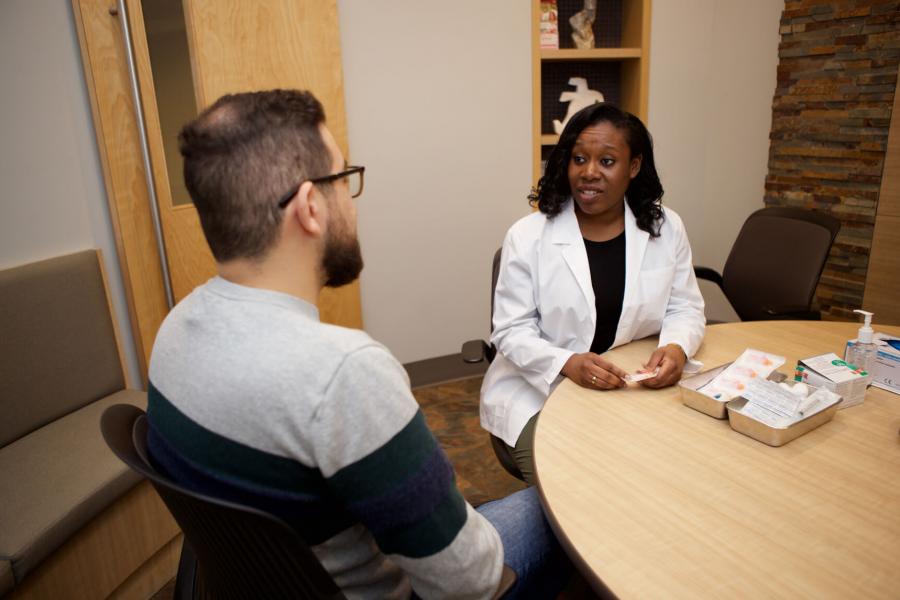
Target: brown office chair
{"type": "Point", "coordinates": [775, 264]}
{"type": "Point", "coordinates": [475, 351]}
{"type": "Point", "coordinates": [230, 550]}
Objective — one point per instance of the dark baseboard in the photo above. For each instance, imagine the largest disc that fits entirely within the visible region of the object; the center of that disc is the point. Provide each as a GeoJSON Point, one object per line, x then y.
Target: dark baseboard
{"type": "Point", "coordinates": [442, 369]}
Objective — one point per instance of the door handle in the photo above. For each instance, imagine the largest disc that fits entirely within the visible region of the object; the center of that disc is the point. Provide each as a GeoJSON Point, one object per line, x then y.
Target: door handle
{"type": "Point", "coordinates": [121, 10]}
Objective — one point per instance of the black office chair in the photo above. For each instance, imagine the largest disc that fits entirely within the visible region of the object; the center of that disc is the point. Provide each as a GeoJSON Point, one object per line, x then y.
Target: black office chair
{"type": "Point", "coordinates": [475, 351]}
{"type": "Point", "coordinates": [775, 264]}
{"type": "Point", "coordinates": [230, 551]}
{"type": "Point", "coordinates": [240, 552]}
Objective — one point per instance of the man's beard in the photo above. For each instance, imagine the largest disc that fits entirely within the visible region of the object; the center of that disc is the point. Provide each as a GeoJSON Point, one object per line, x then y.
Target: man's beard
{"type": "Point", "coordinates": [342, 260]}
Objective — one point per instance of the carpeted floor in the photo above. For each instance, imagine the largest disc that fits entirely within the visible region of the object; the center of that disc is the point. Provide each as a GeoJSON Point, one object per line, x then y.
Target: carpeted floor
{"type": "Point", "coordinates": [451, 410]}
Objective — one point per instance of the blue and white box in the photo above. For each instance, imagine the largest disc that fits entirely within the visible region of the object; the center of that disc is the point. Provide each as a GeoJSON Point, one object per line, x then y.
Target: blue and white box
{"type": "Point", "coordinates": [885, 369]}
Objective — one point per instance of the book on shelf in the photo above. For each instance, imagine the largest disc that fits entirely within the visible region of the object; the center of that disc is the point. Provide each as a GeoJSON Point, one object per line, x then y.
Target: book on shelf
{"type": "Point", "coordinates": [549, 25]}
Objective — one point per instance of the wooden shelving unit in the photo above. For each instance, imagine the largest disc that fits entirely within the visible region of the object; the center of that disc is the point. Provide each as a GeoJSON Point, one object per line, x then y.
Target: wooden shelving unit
{"type": "Point", "coordinates": [592, 54]}
{"type": "Point", "coordinates": [619, 67]}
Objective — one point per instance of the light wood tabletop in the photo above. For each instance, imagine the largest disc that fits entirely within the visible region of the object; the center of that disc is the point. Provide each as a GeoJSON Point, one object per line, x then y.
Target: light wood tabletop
{"type": "Point", "coordinates": [653, 499]}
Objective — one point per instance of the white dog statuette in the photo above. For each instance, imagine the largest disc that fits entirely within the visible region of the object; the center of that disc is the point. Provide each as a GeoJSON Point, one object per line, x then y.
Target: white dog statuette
{"type": "Point", "coordinates": [580, 98]}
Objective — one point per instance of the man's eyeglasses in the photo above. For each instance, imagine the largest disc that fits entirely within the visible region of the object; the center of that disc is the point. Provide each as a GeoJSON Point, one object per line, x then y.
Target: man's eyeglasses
{"type": "Point", "coordinates": [354, 175]}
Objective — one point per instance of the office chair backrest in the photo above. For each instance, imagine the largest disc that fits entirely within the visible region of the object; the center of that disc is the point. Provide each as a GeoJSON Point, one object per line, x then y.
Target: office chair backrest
{"type": "Point", "coordinates": [776, 261]}
{"type": "Point", "coordinates": [241, 552]}
{"type": "Point", "coordinates": [499, 447]}
{"type": "Point", "coordinates": [475, 351]}
{"type": "Point", "coordinates": [495, 273]}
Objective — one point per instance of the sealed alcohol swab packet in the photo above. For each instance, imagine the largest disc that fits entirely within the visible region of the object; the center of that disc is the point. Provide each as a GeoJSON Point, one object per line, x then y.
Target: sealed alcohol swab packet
{"type": "Point", "coordinates": [732, 382]}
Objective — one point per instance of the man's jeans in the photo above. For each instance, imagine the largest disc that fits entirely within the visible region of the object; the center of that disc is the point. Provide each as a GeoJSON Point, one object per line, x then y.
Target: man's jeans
{"type": "Point", "coordinates": [529, 546]}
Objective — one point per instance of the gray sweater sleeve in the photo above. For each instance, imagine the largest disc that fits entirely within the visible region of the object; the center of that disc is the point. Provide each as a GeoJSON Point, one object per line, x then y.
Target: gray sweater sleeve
{"type": "Point", "coordinates": [377, 454]}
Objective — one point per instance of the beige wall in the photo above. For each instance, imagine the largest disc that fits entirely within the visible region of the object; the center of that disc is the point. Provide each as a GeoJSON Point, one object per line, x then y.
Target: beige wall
{"type": "Point", "coordinates": [439, 104]}
{"type": "Point", "coordinates": [712, 78]}
{"type": "Point", "coordinates": [52, 199]}
{"type": "Point", "coordinates": [439, 111]}
{"type": "Point", "coordinates": [443, 130]}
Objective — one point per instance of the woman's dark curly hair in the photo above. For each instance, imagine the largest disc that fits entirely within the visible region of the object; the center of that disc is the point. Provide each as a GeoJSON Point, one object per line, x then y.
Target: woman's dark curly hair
{"type": "Point", "coordinates": [644, 192]}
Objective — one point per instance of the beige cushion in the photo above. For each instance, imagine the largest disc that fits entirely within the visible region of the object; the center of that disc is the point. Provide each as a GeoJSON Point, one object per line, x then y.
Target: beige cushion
{"type": "Point", "coordinates": [6, 577]}
{"type": "Point", "coordinates": [57, 349]}
{"type": "Point", "coordinates": [56, 479]}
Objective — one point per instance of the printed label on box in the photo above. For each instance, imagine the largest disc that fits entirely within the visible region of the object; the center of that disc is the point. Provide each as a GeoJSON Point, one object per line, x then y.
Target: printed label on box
{"type": "Point", "coordinates": [886, 364]}
{"type": "Point", "coordinates": [832, 373]}
{"type": "Point", "coordinates": [549, 26]}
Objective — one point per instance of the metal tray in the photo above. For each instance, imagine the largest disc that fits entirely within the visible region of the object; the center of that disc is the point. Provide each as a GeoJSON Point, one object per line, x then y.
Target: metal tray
{"type": "Point", "coordinates": [710, 406]}
{"type": "Point", "coordinates": [776, 436]}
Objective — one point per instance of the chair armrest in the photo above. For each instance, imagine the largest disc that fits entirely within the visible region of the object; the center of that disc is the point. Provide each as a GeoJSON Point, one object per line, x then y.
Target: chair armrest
{"type": "Point", "coordinates": [475, 351]}
{"type": "Point", "coordinates": [708, 274]}
{"type": "Point", "coordinates": [507, 580]}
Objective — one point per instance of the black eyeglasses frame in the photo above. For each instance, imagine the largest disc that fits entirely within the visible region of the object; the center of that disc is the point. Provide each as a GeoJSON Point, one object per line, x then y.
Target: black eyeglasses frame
{"type": "Point", "coordinates": [350, 170]}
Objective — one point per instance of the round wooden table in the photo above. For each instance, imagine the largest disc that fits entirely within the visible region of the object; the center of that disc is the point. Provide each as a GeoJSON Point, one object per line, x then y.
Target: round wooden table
{"type": "Point", "coordinates": [653, 499]}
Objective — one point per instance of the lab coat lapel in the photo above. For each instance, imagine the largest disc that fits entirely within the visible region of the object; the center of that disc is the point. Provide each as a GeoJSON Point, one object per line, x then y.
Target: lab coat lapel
{"type": "Point", "coordinates": [567, 232]}
{"type": "Point", "coordinates": [635, 245]}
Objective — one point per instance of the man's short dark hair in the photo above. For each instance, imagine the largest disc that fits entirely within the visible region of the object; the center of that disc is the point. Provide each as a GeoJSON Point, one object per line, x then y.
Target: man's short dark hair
{"type": "Point", "coordinates": [241, 155]}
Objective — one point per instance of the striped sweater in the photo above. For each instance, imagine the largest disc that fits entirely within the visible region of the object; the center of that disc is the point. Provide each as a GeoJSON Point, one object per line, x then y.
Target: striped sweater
{"type": "Point", "coordinates": [252, 399]}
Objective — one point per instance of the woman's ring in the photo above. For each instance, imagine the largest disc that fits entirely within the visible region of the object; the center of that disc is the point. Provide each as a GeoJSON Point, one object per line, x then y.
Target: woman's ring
{"type": "Point", "coordinates": [593, 380]}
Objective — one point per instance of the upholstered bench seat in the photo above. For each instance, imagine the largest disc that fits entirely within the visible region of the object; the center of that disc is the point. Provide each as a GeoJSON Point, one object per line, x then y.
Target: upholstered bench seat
{"type": "Point", "coordinates": [56, 479]}
{"type": "Point", "coordinates": [75, 522]}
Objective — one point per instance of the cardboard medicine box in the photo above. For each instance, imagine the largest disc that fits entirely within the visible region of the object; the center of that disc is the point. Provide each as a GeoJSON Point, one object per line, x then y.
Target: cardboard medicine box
{"type": "Point", "coordinates": [885, 368]}
{"type": "Point", "coordinates": [832, 373]}
{"type": "Point", "coordinates": [549, 25]}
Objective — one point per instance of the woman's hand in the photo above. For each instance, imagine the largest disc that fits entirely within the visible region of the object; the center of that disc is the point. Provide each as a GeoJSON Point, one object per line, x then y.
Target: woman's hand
{"type": "Point", "coordinates": [670, 359]}
{"type": "Point", "coordinates": [593, 372]}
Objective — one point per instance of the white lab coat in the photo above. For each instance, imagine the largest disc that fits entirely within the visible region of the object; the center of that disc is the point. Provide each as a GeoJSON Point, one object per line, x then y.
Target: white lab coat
{"type": "Point", "coordinates": [544, 308]}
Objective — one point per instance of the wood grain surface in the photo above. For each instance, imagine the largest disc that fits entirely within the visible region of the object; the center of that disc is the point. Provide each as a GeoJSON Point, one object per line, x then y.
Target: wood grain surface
{"type": "Point", "coordinates": [114, 555]}
{"type": "Point", "coordinates": [882, 281]}
{"type": "Point", "coordinates": [656, 500]}
{"type": "Point", "coordinates": [240, 46]}
{"type": "Point", "coordinates": [118, 143]}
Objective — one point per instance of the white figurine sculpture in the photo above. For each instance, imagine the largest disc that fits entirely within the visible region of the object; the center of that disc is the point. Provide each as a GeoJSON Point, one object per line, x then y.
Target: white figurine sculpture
{"type": "Point", "coordinates": [582, 24]}
{"type": "Point", "coordinates": [582, 97]}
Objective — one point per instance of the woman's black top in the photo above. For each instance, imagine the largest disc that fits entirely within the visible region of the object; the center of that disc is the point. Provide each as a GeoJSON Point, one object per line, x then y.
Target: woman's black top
{"type": "Point", "coordinates": [607, 263]}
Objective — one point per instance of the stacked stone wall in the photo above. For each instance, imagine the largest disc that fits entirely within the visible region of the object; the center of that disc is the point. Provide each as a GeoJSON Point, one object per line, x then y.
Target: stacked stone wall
{"type": "Point", "coordinates": [837, 76]}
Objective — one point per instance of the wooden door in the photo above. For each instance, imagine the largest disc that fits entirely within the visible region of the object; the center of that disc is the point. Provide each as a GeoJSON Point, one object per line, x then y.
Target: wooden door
{"type": "Point", "coordinates": [883, 275]}
{"type": "Point", "coordinates": [234, 46]}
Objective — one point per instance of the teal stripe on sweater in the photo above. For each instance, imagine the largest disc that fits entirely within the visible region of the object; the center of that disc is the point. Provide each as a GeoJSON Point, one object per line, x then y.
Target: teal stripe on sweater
{"type": "Point", "coordinates": [404, 492]}
{"type": "Point", "coordinates": [379, 472]}
{"type": "Point", "coordinates": [227, 459]}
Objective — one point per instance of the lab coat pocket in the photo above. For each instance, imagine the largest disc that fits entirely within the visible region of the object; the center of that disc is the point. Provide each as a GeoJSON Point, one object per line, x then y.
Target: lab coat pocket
{"type": "Point", "coordinates": [654, 288]}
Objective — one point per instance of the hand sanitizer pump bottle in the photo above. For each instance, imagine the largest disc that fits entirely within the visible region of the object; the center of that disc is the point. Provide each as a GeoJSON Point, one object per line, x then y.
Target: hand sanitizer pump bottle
{"type": "Point", "coordinates": [862, 353]}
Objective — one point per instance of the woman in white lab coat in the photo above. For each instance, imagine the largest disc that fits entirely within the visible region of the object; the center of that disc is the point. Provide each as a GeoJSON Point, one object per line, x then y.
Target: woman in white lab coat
{"type": "Point", "coordinates": [601, 264]}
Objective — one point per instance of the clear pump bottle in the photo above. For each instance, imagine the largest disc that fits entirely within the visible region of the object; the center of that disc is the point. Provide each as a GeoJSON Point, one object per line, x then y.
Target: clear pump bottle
{"type": "Point", "coordinates": [862, 353]}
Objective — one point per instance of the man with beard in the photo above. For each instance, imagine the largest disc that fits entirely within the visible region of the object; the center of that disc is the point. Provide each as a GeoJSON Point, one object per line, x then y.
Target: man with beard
{"type": "Point", "coordinates": [253, 399]}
